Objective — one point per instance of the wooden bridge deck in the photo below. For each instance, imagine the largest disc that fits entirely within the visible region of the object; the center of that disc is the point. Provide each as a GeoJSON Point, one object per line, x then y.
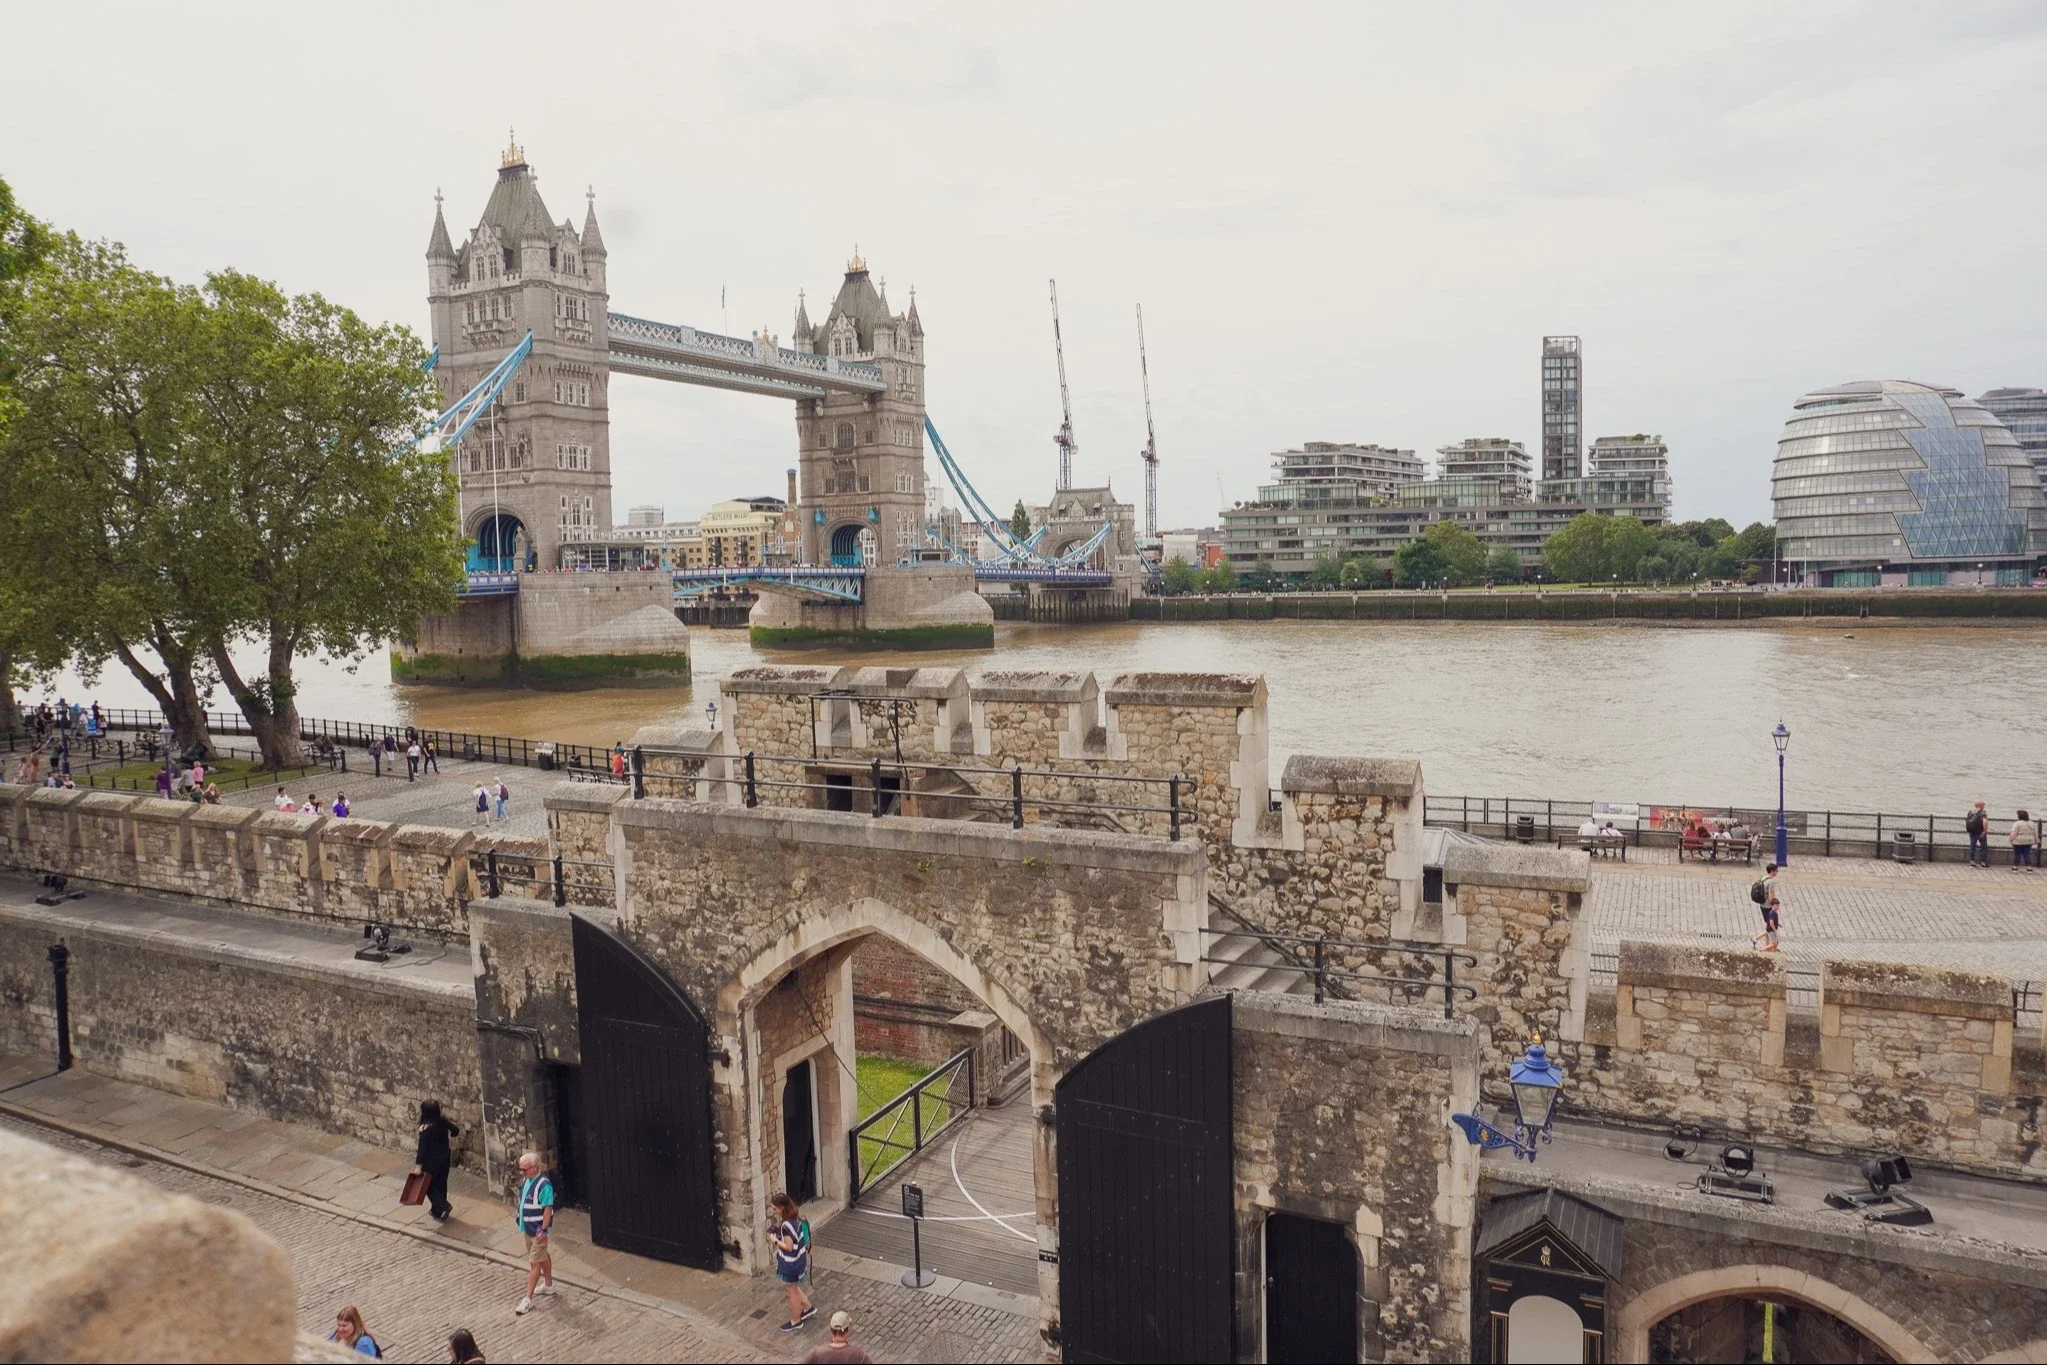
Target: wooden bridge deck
{"type": "Point", "coordinates": [986, 1156]}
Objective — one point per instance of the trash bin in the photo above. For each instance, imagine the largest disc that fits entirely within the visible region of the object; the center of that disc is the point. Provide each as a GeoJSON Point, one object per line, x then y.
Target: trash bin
{"type": "Point", "coordinates": [1904, 846]}
{"type": "Point", "coordinates": [543, 754]}
{"type": "Point", "coordinates": [1524, 828]}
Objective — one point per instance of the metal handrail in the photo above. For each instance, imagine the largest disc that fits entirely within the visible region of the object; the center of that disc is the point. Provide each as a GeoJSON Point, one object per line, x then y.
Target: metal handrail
{"type": "Point", "coordinates": [1318, 967]}
{"type": "Point", "coordinates": [910, 1101]}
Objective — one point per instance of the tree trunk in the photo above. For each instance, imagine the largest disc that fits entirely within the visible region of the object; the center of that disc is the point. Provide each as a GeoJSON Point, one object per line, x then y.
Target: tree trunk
{"type": "Point", "coordinates": [176, 691]}
{"type": "Point", "coordinates": [10, 712]}
{"type": "Point", "coordinates": [269, 708]}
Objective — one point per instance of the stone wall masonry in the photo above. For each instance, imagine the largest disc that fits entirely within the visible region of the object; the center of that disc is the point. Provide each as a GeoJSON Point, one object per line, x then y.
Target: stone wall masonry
{"type": "Point", "coordinates": [1375, 1153]}
{"type": "Point", "coordinates": [351, 1051]}
{"type": "Point", "coordinates": [1898, 1057]}
{"type": "Point", "coordinates": [1519, 911]}
{"type": "Point", "coordinates": [1208, 726]}
{"type": "Point", "coordinates": [767, 710]}
{"type": "Point", "coordinates": [418, 878]}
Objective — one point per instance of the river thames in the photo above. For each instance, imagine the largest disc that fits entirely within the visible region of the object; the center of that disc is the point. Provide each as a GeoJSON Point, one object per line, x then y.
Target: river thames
{"type": "Point", "coordinates": [1895, 718]}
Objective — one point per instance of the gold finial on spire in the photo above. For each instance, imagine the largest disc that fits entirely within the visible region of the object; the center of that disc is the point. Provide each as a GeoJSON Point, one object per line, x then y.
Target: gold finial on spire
{"type": "Point", "coordinates": [515, 155]}
{"type": "Point", "coordinates": [858, 263]}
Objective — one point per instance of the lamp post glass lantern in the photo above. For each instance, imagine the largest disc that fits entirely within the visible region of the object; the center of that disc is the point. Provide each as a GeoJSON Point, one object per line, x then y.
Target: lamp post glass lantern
{"type": "Point", "coordinates": [1781, 737]}
{"type": "Point", "coordinates": [1536, 1084]}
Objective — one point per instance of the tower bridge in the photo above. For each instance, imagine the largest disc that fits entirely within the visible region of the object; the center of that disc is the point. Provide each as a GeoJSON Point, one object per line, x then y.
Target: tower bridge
{"type": "Point", "coordinates": [526, 346]}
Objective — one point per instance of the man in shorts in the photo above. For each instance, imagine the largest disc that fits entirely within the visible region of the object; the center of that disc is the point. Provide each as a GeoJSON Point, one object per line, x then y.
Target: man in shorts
{"type": "Point", "coordinates": [1764, 894]}
{"type": "Point", "coordinates": [536, 1220]}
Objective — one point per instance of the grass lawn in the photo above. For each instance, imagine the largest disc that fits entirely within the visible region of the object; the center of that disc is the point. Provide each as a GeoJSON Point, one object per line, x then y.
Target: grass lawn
{"type": "Point", "coordinates": [143, 772]}
{"type": "Point", "coordinates": [881, 1080]}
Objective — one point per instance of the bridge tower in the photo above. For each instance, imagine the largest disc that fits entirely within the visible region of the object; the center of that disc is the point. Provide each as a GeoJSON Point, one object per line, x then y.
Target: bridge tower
{"type": "Point", "coordinates": [861, 456]}
{"type": "Point", "coordinates": [541, 472]}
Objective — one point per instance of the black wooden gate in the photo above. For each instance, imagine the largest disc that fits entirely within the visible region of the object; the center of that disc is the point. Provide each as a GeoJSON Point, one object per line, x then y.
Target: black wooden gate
{"type": "Point", "coordinates": [1147, 1250]}
{"type": "Point", "coordinates": [651, 1174]}
{"type": "Point", "coordinates": [1311, 1291]}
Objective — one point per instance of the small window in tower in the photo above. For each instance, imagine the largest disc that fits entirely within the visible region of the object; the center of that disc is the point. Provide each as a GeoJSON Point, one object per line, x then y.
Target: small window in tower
{"type": "Point", "coordinates": [844, 439]}
{"type": "Point", "coordinates": [508, 259]}
{"type": "Point", "coordinates": [551, 258]}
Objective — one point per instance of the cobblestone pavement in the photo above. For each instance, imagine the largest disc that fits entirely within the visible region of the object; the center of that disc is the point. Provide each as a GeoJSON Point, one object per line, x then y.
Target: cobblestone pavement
{"type": "Point", "coordinates": [435, 798]}
{"type": "Point", "coordinates": [1950, 914]}
{"type": "Point", "coordinates": [331, 1203]}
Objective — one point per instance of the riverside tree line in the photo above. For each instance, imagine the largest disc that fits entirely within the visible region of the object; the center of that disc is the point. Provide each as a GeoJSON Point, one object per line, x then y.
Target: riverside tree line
{"type": "Point", "coordinates": [192, 476]}
{"type": "Point", "coordinates": [1591, 548]}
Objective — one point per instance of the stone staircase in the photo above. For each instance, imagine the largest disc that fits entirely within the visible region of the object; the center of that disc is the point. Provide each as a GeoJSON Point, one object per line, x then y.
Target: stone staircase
{"type": "Point", "coordinates": [1245, 962]}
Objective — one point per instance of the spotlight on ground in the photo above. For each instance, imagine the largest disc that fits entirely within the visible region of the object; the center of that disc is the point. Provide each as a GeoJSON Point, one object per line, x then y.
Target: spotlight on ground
{"type": "Point", "coordinates": [1883, 1201]}
{"type": "Point", "coordinates": [380, 946]}
{"type": "Point", "coordinates": [1733, 1175]}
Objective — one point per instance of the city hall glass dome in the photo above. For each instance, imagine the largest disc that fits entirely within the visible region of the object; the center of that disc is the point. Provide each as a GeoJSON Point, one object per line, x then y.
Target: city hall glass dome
{"type": "Point", "coordinates": [1900, 482]}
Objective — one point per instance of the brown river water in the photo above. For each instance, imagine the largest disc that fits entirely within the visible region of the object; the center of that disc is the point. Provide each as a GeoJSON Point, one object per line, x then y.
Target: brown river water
{"type": "Point", "coordinates": [1901, 719]}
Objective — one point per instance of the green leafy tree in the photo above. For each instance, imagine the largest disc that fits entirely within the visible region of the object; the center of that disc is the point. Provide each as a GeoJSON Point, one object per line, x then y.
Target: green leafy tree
{"type": "Point", "coordinates": [1418, 563]}
{"type": "Point", "coordinates": [1020, 522]}
{"type": "Point", "coordinates": [102, 504]}
{"type": "Point", "coordinates": [24, 243]}
{"type": "Point", "coordinates": [1464, 554]}
{"type": "Point", "coordinates": [1356, 573]}
{"type": "Point", "coordinates": [334, 532]}
{"type": "Point", "coordinates": [1327, 571]}
{"type": "Point", "coordinates": [1179, 576]}
{"type": "Point", "coordinates": [1594, 548]}
{"type": "Point", "coordinates": [1503, 566]}
{"type": "Point", "coordinates": [1220, 576]}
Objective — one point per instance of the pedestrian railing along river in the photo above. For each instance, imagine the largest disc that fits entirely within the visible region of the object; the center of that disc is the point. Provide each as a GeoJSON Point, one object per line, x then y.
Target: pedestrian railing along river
{"type": "Point", "coordinates": [1828, 833]}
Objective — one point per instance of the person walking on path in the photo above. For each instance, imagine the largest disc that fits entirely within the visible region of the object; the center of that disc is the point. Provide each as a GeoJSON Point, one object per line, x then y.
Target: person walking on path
{"type": "Point", "coordinates": [840, 1349]}
{"type": "Point", "coordinates": [462, 1348]}
{"type": "Point", "coordinates": [618, 762]}
{"type": "Point", "coordinates": [792, 1258]}
{"type": "Point", "coordinates": [536, 1220]}
{"type": "Point", "coordinates": [341, 805]}
{"type": "Point", "coordinates": [412, 760]}
{"type": "Point", "coordinates": [482, 798]}
{"type": "Point", "coordinates": [2024, 835]}
{"type": "Point", "coordinates": [1764, 894]}
{"type": "Point", "coordinates": [504, 794]}
{"type": "Point", "coordinates": [432, 757]}
{"type": "Point", "coordinates": [349, 1332]}
{"type": "Point", "coordinates": [1978, 826]}
{"type": "Point", "coordinates": [433, 1156]}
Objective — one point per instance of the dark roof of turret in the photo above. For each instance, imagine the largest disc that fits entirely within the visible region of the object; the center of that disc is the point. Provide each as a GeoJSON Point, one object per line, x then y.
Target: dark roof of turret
{"type": "Point", "coordinates": [438, 246]}
{"type": "Point", "coordinates": [859, 300]}
{"type": "Point", "coordinates": [593, 240]}
{"type": "Point", "coordinates": [515, 208]}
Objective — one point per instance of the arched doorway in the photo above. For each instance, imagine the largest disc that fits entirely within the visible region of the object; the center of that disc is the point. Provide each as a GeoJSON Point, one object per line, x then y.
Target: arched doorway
{"type": "Point", "coordinates": [852, 545]}
{"type": "Point", "coordinates": [499, 545]}
{"type": "Point", "coordinates": [1721, 1314]}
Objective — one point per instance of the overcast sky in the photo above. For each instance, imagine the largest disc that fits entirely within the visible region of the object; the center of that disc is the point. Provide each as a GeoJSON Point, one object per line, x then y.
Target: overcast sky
{"type": "Point", "coordinates": [1345, 222]}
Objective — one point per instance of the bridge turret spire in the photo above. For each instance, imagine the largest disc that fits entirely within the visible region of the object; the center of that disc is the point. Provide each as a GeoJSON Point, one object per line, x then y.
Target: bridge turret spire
{"type": "Point", "coordinates": [593, 240]}
{"type": "Point", "coordinates": [916, 323]}
{"type": "Point", "coordinates": [439, 247]}
{"type": "Point", "coordinates": [800, 337]}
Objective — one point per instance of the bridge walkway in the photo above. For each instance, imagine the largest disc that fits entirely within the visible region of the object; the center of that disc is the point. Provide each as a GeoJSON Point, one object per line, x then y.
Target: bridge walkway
{"type": "Point", "coordinates": [981, 1167]}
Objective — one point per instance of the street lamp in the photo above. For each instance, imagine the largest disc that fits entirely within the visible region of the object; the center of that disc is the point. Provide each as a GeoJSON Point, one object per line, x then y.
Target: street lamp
{"type": "Point", "coordinates": [169, 776]}
{"type": "Point", "coordinates": [1536, 1084]}
{"type": "Point", "coordinates": [711, 713]}
{"type": "Point", "coordinates": [1781, 737]}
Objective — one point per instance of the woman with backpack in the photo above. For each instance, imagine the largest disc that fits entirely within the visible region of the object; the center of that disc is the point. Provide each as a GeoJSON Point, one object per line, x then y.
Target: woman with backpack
{"type": "Point", "coordinates": [504, 794]}
{"type": "Point", "coordinates": [350, 1333]}
{"type": "Point", "coordinates": [1764, 894]}
{"type": "Point", "coordinates": [792, 1258]}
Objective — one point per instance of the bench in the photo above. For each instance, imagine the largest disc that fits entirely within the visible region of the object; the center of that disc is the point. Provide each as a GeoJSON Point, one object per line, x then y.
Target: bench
{"type": "Point", "coordinates": [1613, 845]}
{"type": "Point", "coordinates": [1714, 847]}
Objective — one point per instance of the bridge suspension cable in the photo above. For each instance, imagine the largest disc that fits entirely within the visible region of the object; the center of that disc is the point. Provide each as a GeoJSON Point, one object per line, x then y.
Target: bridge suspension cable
{"type": "Point", "coordinates": [451, 426]}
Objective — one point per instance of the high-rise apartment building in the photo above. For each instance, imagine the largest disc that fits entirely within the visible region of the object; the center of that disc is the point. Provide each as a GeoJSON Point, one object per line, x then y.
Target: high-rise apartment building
{"type": "Point", "coordinates": [1563, 430]}
{"type": "Point", "coordinates": [1489, 457]}
{"type": "Point", "coordinates": [1341, 470]}
{"type": "Point", "coordinates": [2024, 414]}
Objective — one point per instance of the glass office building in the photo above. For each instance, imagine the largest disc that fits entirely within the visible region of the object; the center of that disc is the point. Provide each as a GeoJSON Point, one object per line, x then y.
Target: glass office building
{"type": "Point", "coordinates": [2024, 414]}
{"type": "Point", "coordinates": [1904, 484]}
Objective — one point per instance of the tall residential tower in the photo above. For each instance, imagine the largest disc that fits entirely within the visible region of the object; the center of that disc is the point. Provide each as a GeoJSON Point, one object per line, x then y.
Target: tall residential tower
{"type": "Point", "coordinates": [1563, 428]}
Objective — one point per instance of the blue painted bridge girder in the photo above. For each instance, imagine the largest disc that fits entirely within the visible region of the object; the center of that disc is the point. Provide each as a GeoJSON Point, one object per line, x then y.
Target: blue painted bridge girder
{"type": "Point", "coordinates": [489, 585]}
{"type": "Point", "coordinates": [841, 585]}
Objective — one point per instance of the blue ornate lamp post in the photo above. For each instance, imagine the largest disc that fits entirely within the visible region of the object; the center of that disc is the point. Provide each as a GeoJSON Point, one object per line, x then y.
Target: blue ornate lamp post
{"type": "Point", "coordinates": [1782, 738]}
{"type": "Point", "coordinates": [1536, 1084]}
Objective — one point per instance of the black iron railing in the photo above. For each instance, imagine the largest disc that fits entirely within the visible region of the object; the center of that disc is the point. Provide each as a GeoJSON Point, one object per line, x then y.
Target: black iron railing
{"type": "Point", "coordinates": [1310, 955]}
{"type": "Point", "coordinates": [1825, 832]}
{"type": "Point", "coordinates": [889, 784]}
{"type": "Point", "coordinates": [878, 1142]}
{"type": "Point", "coordinates": [557, 878]}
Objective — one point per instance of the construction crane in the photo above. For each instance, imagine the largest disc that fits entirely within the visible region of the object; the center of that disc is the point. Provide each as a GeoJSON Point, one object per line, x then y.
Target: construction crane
{"type": "Point", "coordinates": [1151, 440]}
{"type": "Point", "coordinates": [1064, 439]}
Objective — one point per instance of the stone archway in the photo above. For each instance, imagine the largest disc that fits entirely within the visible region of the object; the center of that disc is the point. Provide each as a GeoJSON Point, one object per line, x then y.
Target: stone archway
{"type": "Point", "coordinates": [500, 540]}
{"type": "Point", "coordinates": [1645, 1310]}
{"type": "Point", "coordinates": [744, 1084]}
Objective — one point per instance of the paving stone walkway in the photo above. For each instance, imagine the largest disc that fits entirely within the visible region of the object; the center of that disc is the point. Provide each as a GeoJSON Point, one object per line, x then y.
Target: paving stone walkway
{"type": "Point", "coordinates": [332, 1203]}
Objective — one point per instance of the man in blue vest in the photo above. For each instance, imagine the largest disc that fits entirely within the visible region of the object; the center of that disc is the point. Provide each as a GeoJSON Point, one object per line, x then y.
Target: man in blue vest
{"type": "Point", "coordinates": [536, 1220]}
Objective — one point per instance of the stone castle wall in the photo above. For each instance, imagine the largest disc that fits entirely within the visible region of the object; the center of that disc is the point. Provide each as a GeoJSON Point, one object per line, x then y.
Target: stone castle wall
{"type": "Point", "coordinates": [350, 1051]}
{"type": "Point", "coordinates": [418, 878]}
{"type": "Point", "coordinates": [1897, 1057]}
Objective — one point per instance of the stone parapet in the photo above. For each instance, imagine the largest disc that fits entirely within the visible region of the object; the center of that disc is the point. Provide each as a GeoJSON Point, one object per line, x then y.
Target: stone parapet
{"type": "Point", "coordinates": [1398, 779]}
